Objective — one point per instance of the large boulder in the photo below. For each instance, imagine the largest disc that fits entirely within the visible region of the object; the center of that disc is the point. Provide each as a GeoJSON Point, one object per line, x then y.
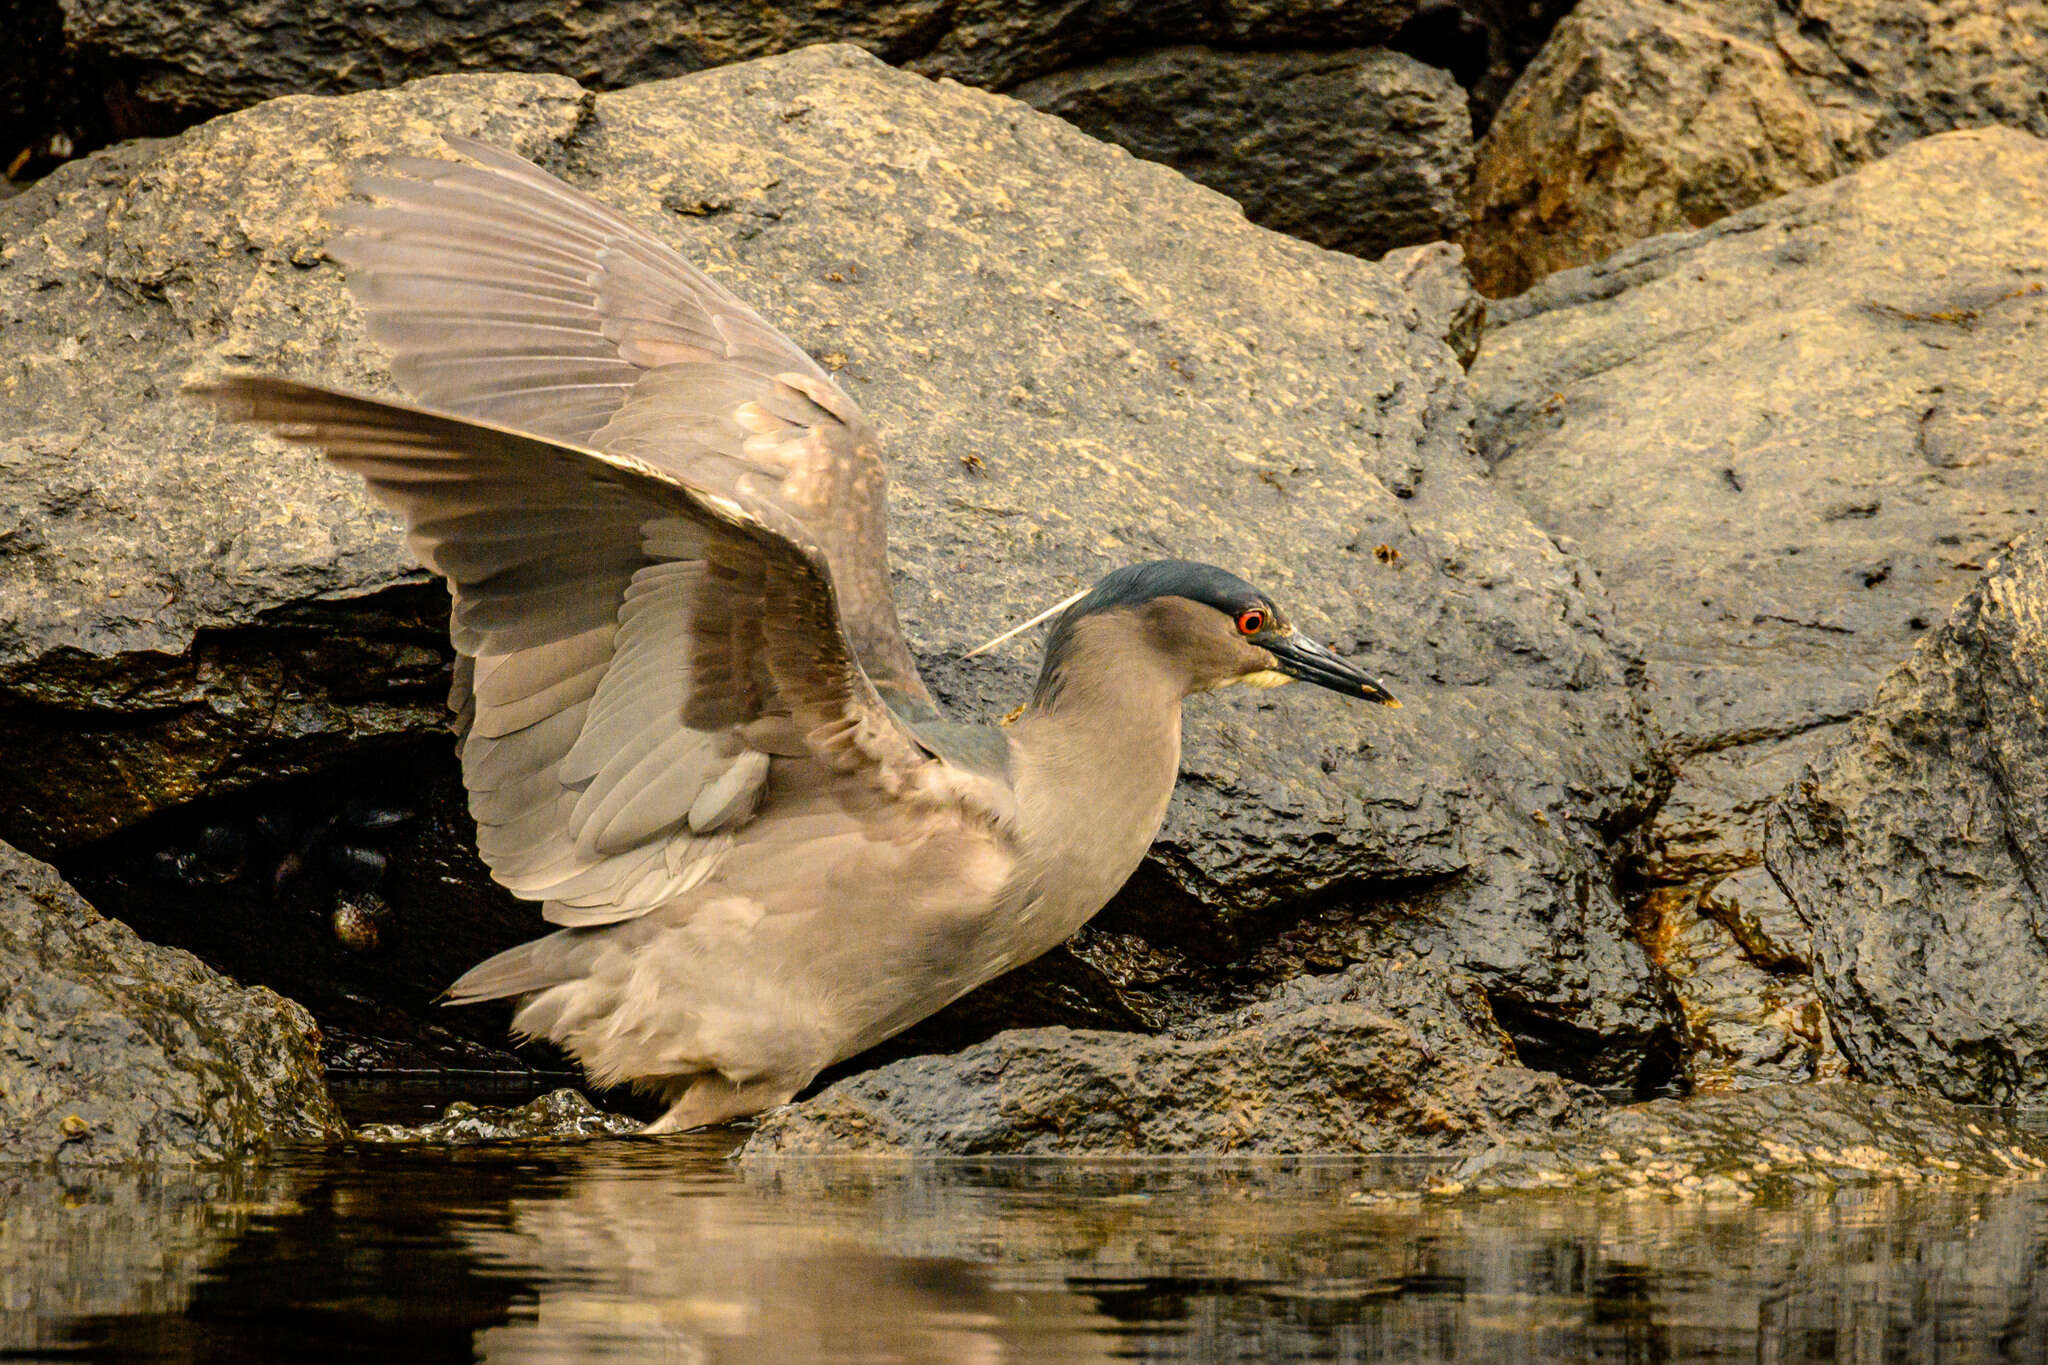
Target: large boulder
{"type": "Point", "coordinates": [1362, 150]}
{"type": "Point", "coordinates": [1915, 848]}
{"type": "Point", "coordinates": [1648, 116]}
{"type": "Point", "coordinates": [1872, 437]}
{"type": "Point", "coordinates": [1309, 130]}
{"type": "Point", "coordinates": [1389, 1058]}
{"type": "Point", "coordinates": [1077, 359]}
{"type": "Point", "coordinates": [1787, 442]}
{"type": "Point", "coordinates": [115, 1050]}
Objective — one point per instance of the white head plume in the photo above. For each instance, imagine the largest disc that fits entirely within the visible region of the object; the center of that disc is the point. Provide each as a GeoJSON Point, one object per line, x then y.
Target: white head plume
{"type": "Point", "coordinates": [1014, 631]}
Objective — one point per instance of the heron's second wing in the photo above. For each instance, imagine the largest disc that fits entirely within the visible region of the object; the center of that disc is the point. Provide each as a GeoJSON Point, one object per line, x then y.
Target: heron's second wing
{"type": "Point", "coordinates": [508, 296]}
{"type": "Point", "coordinates": [636, 653]}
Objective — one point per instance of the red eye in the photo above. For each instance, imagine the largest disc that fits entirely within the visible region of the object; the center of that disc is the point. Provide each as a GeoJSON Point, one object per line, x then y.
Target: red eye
{"type": "Point", "coordinates": [1251, 622]}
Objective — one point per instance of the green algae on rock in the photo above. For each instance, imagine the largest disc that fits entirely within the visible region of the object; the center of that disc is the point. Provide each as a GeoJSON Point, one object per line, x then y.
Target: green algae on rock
{"type": "Point", "coordinates": [115, 1050]}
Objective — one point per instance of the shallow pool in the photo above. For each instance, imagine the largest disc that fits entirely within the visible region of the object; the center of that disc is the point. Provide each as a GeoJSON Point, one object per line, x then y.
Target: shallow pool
{"type": "Point", "coordinates": [669, 1251]}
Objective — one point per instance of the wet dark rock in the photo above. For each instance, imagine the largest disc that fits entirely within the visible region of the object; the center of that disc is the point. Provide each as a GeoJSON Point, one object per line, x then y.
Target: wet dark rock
{"type": "Point", "coordinates": [1648, 116]}
{"type": "Point", "coordinates": [113, 710]}
{"type": "Point", "coordinates": [1709, 826]}
{"type": "Point", "coordinates": [1915, 850]}
{"type": "Point", "coordinates": [1076, 359]}
{"type": "Point", "coordinates": [114, 1050]}
{"type": "Point", "coordinates": [1755, 912]}
{"type": "Point", "coordinates": [1874, 433]}
{"type": "Point", "coordinates": [356, 892]}
{"type": "Point", "coordinates": [1387, 1058]}
{"type": "Point", "coordinates": [1360, 151]}
{"type": "Point", "coordinates": [560, 1115]}
{"type": "Point", "coordinates": [1765, 1143]}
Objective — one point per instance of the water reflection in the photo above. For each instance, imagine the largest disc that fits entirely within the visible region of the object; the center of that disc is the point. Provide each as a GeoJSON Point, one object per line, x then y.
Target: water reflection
{"type": "Point", "coordinates": [84, 1244]}
{"type": "Point", "coordinates": [667, 1252]}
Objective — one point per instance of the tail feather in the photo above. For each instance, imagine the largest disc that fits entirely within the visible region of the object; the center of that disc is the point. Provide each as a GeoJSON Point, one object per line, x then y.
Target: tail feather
{"type": "Point", "coordinates": [520, 970]}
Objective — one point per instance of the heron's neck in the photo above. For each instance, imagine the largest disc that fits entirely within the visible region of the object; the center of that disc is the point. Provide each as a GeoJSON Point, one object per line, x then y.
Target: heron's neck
{"type": "Point", "coordinates": [1095, 760]}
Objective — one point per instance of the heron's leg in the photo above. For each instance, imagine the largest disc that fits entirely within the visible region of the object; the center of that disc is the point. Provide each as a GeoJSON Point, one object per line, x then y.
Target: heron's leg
{"type": "Point", "coordinates": [712, 1098]}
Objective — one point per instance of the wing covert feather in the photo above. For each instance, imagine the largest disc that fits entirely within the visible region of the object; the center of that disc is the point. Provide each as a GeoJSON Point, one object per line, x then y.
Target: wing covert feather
{"type": "Point", "coordinates": [624, 692]}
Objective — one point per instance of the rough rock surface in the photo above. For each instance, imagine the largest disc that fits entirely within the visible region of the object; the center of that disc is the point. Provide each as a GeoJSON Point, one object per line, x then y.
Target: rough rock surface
{"type": "Point", "coordinates": [196, 55]}
{"type": "Point", "coordinates": [1076, 359]}
{"type": "Point", "coordinates": [1435, 277]}
{"type": "Point", "coordinates": [1360, 151]}
{"type": "Point", "coordinates": [1765, 1143]}
{"type": "Point", "coordinates": [112, 1049]}
{"type": "Point", "coordinates": [1875, 431]}
{"type": "Point", "coordinates": [559, 1115]}
{"type": "Point", "coordinates": [1391, 1057]}
{"type": "Point", "coordinates": [1648, 116]}
{"type": "Point", "coordinates": [1916, 850]}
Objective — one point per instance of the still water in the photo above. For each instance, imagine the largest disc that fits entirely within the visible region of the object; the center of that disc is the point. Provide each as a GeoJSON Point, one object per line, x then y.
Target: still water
{"type": "Point", "coordinates": [623, 1250]}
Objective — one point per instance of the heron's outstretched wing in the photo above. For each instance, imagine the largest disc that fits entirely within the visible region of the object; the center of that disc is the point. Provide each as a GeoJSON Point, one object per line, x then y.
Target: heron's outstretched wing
{"type": "Point", "coordinates": [507, 296]}
{"type": "Point", "coordinates": [637, 652]}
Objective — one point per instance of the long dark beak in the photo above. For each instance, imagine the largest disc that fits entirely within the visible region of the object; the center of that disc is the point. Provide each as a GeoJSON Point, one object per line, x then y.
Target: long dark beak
{"type": "Point", "coordinates": [1300, 657]}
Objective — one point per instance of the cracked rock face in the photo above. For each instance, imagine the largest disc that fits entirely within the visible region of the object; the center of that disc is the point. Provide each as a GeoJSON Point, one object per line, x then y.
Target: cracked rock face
{"type": "Point", "coordinates": [1076, 359]}
{"type": "Point", "coordinates": [1648, 116]}
{"type": "Point", "coordinates": [1394, 1057]}
{"type": "Point", "coordinates": [1916, 849]}
{"type": "Point", "coordinates": [115, 1050]}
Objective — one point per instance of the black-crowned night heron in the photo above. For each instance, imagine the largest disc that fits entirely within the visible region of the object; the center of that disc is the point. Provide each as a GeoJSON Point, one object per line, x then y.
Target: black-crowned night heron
{"type": "Point", "coordinates": [689, 723]}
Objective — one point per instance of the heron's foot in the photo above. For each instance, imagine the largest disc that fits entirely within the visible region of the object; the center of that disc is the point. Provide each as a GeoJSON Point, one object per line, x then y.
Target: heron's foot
{"type": "Point", "coordinates": [712, 1100]}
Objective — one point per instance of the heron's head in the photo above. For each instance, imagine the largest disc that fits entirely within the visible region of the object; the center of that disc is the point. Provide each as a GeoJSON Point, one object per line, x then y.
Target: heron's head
{"type": "Point", "coordinates": [1204, 626]}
